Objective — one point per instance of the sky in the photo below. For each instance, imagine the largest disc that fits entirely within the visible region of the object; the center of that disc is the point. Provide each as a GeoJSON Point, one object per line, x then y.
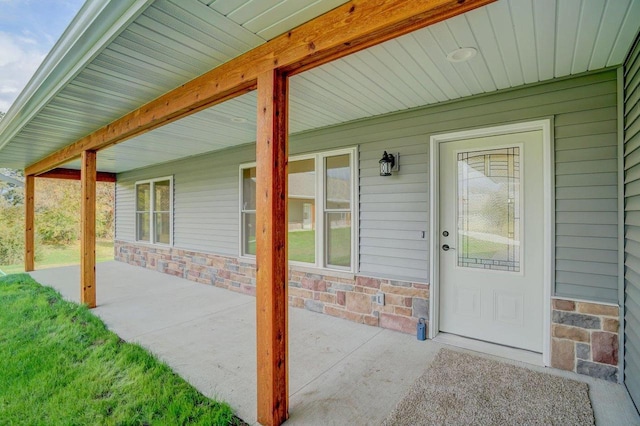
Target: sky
{"type": "Point", "coordinates": [28, 31]}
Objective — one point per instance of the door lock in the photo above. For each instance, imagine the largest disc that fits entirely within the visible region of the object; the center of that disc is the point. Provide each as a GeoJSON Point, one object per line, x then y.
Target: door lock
{"type": "Point", "coordinates": [445, 234]}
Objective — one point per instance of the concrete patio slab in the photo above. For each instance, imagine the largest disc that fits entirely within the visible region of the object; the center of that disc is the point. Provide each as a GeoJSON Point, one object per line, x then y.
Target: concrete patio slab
{"type": "Point", "coordinates": [340, 372]}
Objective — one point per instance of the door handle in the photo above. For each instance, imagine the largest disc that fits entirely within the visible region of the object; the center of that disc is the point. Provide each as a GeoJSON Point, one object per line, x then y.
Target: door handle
{"type": "Point", "coordinates": [446, 247]}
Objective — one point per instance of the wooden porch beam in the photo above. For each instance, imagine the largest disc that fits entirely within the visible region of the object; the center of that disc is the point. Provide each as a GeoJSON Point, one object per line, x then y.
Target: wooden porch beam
{"type": "Point", "coordinates": [88, 230]}
{"type": "Point", "coordinates": [29, 226]}
{"type": "Point", "coordinates": [272, 277]}
{"type": "Point", "coordinates": [349, 28]}
{"type": "Point", "coordinates": [72, 174]}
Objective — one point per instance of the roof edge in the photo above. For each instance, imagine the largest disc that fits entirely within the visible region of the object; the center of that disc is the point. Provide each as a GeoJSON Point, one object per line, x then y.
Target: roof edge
{"type": "Point", "coordinates": [91, 30]}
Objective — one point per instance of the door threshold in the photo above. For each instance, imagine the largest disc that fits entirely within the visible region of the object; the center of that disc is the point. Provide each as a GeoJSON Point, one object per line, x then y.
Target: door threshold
{"type": "Point", "coordinates": [508, 352]}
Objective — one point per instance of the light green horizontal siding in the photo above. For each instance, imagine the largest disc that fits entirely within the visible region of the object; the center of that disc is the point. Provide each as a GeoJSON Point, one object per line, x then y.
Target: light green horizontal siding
{"type": "Point", "coordinates": [632, 223]}
{"type": "Point", "coordinates": [584, 112]}
{"type": "Point", "coordinates": [394, 211]}
{"type": "Point", "coordinates": [205, 200]}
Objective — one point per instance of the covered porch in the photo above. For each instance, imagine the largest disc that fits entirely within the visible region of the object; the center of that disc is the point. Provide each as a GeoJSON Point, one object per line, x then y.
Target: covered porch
{"type": "Point", "coordinates": [209, 111]}
{"type": "Point", "coordinates": [341, 372]}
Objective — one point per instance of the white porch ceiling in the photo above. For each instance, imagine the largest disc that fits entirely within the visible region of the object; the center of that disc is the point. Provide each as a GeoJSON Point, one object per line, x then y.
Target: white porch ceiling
{"type": "Point", "coordinates": [518, 42]}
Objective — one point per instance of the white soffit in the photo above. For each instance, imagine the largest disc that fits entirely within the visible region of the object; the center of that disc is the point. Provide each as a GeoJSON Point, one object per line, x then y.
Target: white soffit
{"type": "Point", "coordinates": [167, 44]}
{"type": "Point", "coordinates": [517, 41]}
{"type": "Point", "coordinates": [225, 125]}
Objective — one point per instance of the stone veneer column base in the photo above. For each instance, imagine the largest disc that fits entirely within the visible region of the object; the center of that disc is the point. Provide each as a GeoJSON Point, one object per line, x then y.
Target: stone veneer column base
{"type": "Point", "coordinates": [585, 338]}
{"type": "Point", "coordinates": [352, 299]}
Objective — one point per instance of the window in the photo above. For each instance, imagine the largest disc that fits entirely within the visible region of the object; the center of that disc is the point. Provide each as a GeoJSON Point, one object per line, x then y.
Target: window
{"type": "Point", "coordinates": [320, 209]}
{"type": "Point", "coordinates": [337, 210]}
{"type": "Point", "coordinates": [154, 212]}
{"type": "Point", "coordinates": [249, 211]}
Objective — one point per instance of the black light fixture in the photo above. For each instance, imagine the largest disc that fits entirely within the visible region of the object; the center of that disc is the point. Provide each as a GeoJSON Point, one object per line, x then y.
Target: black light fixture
{"type": "Point", "coordinates": [388, 163]}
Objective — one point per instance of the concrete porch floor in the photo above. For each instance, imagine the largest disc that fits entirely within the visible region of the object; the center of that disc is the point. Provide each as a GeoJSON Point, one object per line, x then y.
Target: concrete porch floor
{"type": "Point", "coordinates": [340, 372]}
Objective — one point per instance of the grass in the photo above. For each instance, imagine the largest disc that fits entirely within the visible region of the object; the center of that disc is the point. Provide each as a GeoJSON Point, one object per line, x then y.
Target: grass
{"type": "Point", "coordinates": [50, 256]}
{"type": "Point", "coordinates": [59, 365]}
{"type": "Point", "coordinates": [302, 246]}
{"type": "Point", "coordinates": [482, 248]}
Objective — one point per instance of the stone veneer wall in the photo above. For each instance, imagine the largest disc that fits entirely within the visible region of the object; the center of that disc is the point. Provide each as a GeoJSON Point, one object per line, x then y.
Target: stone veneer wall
{"type": "Point", "coordinates": [351, 299]}
{"type": "Point", "coordinates": [585, 338]}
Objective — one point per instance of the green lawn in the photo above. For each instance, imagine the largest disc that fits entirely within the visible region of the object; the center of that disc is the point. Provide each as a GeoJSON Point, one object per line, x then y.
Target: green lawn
{"type": "Point", "coordinates": [59, 365]}
{"type": "Point", "coordinates": [50, 256]}
{"type": "Point", "coordinates": [302, 246]}
{"type": "Point", "coordinates": [482, 248]}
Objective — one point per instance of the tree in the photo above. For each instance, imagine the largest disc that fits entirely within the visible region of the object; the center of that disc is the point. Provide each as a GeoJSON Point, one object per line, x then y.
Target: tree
{"type": "Point", "coordinates": [11, 186]}
{"type": "Point", "coordinates": [58, 210]}
{"type": "Point", "coordinates": [57, 213]}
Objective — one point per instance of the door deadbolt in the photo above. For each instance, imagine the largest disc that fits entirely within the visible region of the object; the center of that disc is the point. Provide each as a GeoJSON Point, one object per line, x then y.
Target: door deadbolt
{"type": "Point", "coordinates": [445, 234]}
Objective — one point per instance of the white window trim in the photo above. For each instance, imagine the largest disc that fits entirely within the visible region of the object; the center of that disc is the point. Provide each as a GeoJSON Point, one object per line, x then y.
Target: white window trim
{"type": "Point", "coordinates": [151, 211]}
{"type": "Point", "coordinates": [321, 261]}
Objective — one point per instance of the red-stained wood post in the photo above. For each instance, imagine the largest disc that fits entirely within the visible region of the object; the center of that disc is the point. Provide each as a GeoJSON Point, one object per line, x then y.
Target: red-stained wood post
{"type": "Point", "coordinates": [29, 225]}
{"type": "Point", "coordinates": [88, 229]}
{"type": "Point", "coordinates": [271, 249]}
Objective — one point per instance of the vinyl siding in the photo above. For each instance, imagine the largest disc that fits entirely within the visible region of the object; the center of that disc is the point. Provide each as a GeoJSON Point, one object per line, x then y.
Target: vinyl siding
{"type": "Point", "coordinates": [206, 200]}
{"type": "Point", "coordinates": [632, 223]}
{"type": "Point", "coordinates": [394, 211]}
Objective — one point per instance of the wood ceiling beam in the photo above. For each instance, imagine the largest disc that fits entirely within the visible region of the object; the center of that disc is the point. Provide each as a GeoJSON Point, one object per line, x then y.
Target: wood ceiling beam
{"type": "Point", "coordinates": [349, 28]}
{"type": "Point", "coordinates": [72, 174]}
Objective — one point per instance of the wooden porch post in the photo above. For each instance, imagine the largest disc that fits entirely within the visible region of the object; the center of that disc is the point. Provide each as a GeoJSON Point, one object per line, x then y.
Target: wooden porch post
{"type": "Point", "coordinates": [88, 229]}
{"type": "Point", "coordinates": [29, 222]}
{"type": "Point", "coordinates": [271, 249]}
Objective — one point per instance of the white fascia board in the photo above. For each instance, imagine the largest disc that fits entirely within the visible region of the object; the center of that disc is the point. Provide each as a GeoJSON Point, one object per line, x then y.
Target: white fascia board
{"type": "Point", "coordinates": [95, 26]}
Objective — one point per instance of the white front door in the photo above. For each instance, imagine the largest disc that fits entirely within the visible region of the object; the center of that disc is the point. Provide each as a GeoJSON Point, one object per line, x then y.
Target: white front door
{"type": "Point", "coordinates": [492, 238]}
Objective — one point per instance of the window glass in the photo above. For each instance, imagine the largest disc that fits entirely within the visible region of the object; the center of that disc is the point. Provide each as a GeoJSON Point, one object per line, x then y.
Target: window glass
{"type": "Point", "coordinates": [249, 211]}
{"type": "Point", "coordinates": [143, 202]}
{"type": "Point", "coordinates": [153, 214]}
{"type": "Point", "coordinates": [143, 208]}
{"type": "Point", "coordinates": [338, 182]}
{"type": "Point", "coordinates": [249, 233]}
{"type": "Point", "coordinates": [489, 209]}
{"type": "Point", "coordinates": [162, 227]}
{"type": "Point", "coordinates": [320, 194]}
{"type": "Point", "coordinates": [162, 195]}
{"type": "Point", "coordinates": [249, 189]}
{"type": "Point", "coordinates": [302, 205]}
{"type": "Point", "coordinates": [339, 239]}
{"type": "Point", "coordinates": [143, 226]}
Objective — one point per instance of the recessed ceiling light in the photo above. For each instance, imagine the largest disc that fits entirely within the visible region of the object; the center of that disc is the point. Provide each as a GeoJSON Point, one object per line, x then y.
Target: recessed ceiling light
{"type": "Point", "coordinates": [238, 120]}
{"type": "Point", "coordinates": [461, 55]}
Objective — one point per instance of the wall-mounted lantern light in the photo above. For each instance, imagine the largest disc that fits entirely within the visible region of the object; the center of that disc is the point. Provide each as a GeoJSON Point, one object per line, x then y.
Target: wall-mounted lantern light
{"type": "Point", "coordinates": [389, 163]}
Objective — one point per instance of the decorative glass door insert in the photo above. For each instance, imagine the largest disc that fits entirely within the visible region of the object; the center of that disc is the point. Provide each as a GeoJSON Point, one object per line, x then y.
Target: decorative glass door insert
{"type": "Point", "coordinates": [489, 209]}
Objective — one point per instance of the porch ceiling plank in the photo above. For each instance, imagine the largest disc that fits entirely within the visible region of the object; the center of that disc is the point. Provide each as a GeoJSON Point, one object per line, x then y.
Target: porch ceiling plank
{"type": "Point", "coordinates": [88, 230]}
{"type": "Point", "coordinates": [591, 19]}
{"type": "Point", "coordinates": [521, 13]}
{"type": "Point", "coordinates": [271, 249]}
{"type": "Point", "coordinates": [480, 24]}
{"type": "Point", "coordinates": [566, 37]}
{"type": "Point", "coordinates": [545, 33]}
{"type": "Point", "coordinates": [626, 33]}
{"type": "Point", "coordinates": [355, 26]}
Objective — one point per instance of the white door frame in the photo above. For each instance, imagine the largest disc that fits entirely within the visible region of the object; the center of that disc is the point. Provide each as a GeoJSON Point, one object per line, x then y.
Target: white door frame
{"type": "Point", "coordinates": [549, 218]}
